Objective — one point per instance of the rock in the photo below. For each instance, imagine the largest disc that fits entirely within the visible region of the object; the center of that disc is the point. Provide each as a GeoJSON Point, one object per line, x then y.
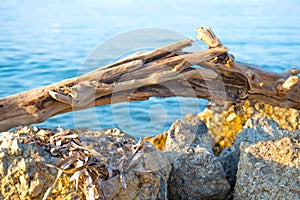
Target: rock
{"type": "Point", "coordinates": [108, 163]}
{"type": "Point", "coordinates": [145, 179]}
{"type": "Point", "coordinates": [269, 169]}
{"type": "Point", "coordinates": [190, 133]}
{"type": "Point", "coordinates": [256, 129]}
{"type": "Point", "coordinates": [196, 172]}
{"type": "Point", "coordinates": [23, 170]}
{"type": "Point", "coordinates": [146, 185]}
{"type": "Point", "coordinates": [146, 173]}
{"type": "Point", "coordinates": [223, 126]}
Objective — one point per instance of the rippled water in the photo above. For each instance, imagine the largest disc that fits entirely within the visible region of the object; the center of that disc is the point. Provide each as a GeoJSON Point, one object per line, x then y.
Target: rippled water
{"type": "Point", "coordinates": [42, 42]}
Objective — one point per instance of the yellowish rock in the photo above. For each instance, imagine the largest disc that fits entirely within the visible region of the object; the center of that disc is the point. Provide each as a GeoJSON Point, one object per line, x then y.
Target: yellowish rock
{"type": "Point", "coordinates": [224, 126]}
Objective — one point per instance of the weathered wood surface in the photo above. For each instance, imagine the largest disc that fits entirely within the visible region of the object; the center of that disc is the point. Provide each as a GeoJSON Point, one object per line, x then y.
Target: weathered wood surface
{"type": "Point", "coordinates": [163, 72]}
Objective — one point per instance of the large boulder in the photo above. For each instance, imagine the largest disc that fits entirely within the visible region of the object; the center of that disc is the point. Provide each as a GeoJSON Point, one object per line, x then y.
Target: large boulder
{"type": "Point", "coordinates": [61, 164]}
{"type": "Point", "coordinates": [269, 169]}
{"type": "Point", "coordinates": [256, 129]}
{"type": "Point", "coordinates": [196, 171]}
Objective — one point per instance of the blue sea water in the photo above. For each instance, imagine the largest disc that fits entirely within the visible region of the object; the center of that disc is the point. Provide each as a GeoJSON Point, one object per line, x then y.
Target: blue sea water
{"type": "Point", "coordinates": [42, 42]}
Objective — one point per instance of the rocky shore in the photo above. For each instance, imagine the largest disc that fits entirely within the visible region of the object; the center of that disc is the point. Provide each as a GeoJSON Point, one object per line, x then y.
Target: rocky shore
{"type": "Point", "coordinates": [262, 163]}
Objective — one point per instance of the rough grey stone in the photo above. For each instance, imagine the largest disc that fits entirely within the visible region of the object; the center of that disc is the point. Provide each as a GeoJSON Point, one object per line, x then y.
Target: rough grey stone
{"type": "Point", "coordinates": [196, 172]}
{"type": "Point", "coordinates": [269, 169]}
{"type": "Point", "coordinates": [256, 129]}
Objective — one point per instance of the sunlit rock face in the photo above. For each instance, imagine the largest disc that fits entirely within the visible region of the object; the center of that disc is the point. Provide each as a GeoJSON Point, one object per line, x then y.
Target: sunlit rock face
{"type": "Point", "coordinates": [223, 126]}
{"type": "Point", "coordinates": [269, 169]}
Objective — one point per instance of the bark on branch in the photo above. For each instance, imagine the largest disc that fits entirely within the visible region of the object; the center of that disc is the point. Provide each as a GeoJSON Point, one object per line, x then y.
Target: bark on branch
{"type": "Point", "coordinates": [164, 72]}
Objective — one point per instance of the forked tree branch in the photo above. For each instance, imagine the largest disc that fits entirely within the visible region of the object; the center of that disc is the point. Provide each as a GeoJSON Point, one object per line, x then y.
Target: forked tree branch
{"type": "Point", "coordinates": [164, 72]}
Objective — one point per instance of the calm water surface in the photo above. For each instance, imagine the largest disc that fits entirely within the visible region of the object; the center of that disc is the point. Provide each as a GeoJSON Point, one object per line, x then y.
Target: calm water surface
{"type": "Point", "coordinates": [42, 42]}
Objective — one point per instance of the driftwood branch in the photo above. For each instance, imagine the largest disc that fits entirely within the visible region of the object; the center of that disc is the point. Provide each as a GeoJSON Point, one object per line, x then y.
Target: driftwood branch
{"type": "Point", "coordinates": [164, 72]}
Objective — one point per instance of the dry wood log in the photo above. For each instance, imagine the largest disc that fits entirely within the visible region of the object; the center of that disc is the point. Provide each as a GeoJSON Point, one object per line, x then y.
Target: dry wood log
{"type": "Point", "coordinates": [164, 72]}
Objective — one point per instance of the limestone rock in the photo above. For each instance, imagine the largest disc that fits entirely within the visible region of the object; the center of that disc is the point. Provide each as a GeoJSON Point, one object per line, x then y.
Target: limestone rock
{"type": "Point", "coordinates": [23, 170]}
{"type": "Point", "coordinates": [223, 126]}
{"type": "Point", "coordinates": [190, 133]}
{"type": "Point", "coordinates": [101, 163]}
{"type": "Point", "coordinates": [146, 185]}
{"type": "Point", "coordinates": [269, 169]}
{"type": "Point", "coordinates": [256, 129]}
{"type": "Point", "coordinates": [196, 172]}
{"type": "Point", "coordinates": [145, 179]}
